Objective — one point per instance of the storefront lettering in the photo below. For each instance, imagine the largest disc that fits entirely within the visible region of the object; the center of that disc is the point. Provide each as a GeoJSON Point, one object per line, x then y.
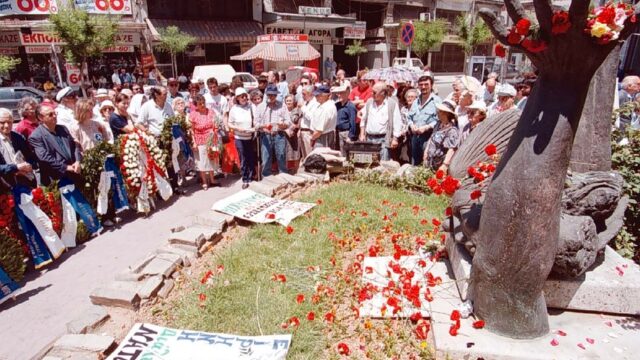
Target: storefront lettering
{"type": "Point", "coordinates": [317, 33]}
{"type": "Point", "coordinates": [40, 38]}
{"type": "Point", "coordinates": [9, 39]}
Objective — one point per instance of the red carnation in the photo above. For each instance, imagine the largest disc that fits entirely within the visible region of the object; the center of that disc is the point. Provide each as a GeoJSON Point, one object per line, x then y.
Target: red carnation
{"type": "Point", "coordinates": [475, 194]}
{"type": "Point", "coordinates": [514, 38]}
{"type": "Point", "coordinates": [343, 349]}
{"type": "Point", "coordinates": [534, 46]}
{"type": "Point", "coordinates": [560, 23]}
{"type": "Point", "coordinates": [607, 15]}
{"type": "Point", "coordinates": [500, 50]}
{"type": "Point", "coordinates": [479, 324]}
{"type": "Point", "coordinates": [455, 315]}
{"type": "Point", "coordinates": [490, 149]}
{"type": "Point", "coordinates": [439, 174]}
{"type": "Point", "coordinates": [450, 185]}
{"type": "Point", "coordinates": [522, 26]}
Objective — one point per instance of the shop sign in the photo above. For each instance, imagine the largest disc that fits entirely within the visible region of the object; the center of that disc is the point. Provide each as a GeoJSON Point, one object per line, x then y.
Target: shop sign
{"type": "Point", "coordinates": [267, 38]}
{"type": "Point", "coordinates": [119, 7]}
{"type": "Point", "coordinates": [41, 49]}
{"type": "Point", "coordinates": [356, 31]}
{"type": "Point", "coordinates": [9, 51]}
{"type": "Point", "coordinates": [118, 49]}
{"type": "Point", "coordinates": [147, 61]}
{"type": "Point", "coordinates": [28, 7]}
{"type": "Point", "coordinates": [10, 39]}
{"type": "Point", "coordinates": [38, 37]}
{"type": "Point", "coordinates": [316, 36]}
{"type": "Point", "coordinates": [73, 75]}
{"type": "Point", "coordinates": [311, 10]}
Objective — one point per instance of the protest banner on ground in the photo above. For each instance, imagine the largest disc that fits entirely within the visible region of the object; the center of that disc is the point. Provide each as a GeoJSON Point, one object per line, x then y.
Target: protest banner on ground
{"type": "Point", "coordinates": [152, 342]}
{"type": "Point", "coordinates": [258, 208]}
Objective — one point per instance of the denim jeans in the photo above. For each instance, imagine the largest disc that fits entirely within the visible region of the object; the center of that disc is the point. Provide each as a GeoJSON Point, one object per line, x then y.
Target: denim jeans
{"type": "Point", "coordinates": [270, 145]}
{"type": "Point", "coordinates": [417, 147]}
{"type": "Point", "coordinates": [247, 151]}
{"type": "Point", "coordinates": [384, 151]}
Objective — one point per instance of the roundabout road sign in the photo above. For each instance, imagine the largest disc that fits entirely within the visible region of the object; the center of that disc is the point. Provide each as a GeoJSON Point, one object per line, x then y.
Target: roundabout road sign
{"type": "Point", "coordinates": [408, 33]}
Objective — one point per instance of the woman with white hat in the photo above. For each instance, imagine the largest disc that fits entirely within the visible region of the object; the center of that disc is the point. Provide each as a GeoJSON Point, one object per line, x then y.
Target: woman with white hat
{"type": "Point", "coordinates": [506, 100]}
{"type": "Point", "coordinates": [242, 123]}
{"type": "Point", "coordinates": [106, 109]}
{"type": "Point", "coordinates": [444, 140]}
{"type": "Point", "coordinates": [477, 113]}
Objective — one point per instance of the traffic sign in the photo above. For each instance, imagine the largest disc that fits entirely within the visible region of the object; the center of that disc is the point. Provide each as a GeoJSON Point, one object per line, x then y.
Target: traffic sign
{"type": "Point", "coordinates": [408, 33]}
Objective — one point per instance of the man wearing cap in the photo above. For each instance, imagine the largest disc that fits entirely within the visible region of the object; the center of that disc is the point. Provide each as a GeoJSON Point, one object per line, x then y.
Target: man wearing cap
{"type": "Point", "coordinates": [213, 99]}
{"type": "Point", "coordinates": [66, 99]}
{"type": "Point", "coordinates": [172, 86]}
{"type": "Point", "coordinates": [381, 121]}
{"type": "Point", "coordinates": [307, 107]}
{"type": "Point", "coordinates": [422, 118]}
{"type": "Point", "coordinates": [323, 120]}
{"type": "Point", "coordinates": [506, 100]}
{"type": "Point", "coordinates": [346, 123]}
{"type": "Point", "coordinates": [272, 119]}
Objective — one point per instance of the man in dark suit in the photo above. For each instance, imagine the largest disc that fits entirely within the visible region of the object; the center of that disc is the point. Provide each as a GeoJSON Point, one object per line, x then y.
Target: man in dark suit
{"type": "Point", "coordinates": [58, 154]}
{"type": "Point", "coordinates": [16, 158]}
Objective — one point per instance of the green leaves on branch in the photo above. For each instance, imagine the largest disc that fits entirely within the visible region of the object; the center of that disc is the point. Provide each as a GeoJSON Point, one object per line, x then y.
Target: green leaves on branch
{"type": "Point", "coordinates": [355, 49]}
{"type": "Point", "coordinates": [174, 41]}
{"type": "Point", "coordinates": [7, 63]}
{"type": "Point", "coordinates": [472, 35]}
{"type": "Point", "coordinates": [85, 35]}
{"type": "Point", "coordinates": [429, 34]}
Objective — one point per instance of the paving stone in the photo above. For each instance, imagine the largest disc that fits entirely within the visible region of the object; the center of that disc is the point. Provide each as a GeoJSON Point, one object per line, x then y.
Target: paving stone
{"type": "Point", "coordinates": [85, 343]}
{"type": "Point", "coordinates": [212, 219]}
{"type": "Point", "coordinates": [279, 181]}
{"type": "Point", "coordinates": [188, 248]}
{"type": "Point", "coordinates": [127, 275]}
{"type": "Point", "coordinates": [116, 295]}
{"type": "Point", "coordinates": [210, 233]}
{"type": "Point", "coordinates": [141, 264]}
{"type": "Point", "coordinates": [52, 358]}
{"type": "Point", "coordinates": [166, 288]}
{"type": "Point", "coordinates": [190, 236]}
{"type": "Point", "coordinates": [159, 266]}
{"type": "Point", "coordinates": [292, 179]}
{"type": "Point", "coordinates": [150, 287]}
{"type": "Point", "coordinates": [187, 255]}
{"type": "Point", "coordinates": [263, 188]}
{"type": "Point", "coordinates": [89, 320]}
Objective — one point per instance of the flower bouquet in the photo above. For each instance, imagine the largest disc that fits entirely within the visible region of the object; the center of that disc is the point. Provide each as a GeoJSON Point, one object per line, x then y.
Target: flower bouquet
{"type": "Point", "coordinates": [606, 22]}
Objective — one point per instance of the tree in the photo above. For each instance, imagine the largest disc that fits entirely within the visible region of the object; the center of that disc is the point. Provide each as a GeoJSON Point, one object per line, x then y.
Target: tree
{"type": "Point", "coordinates": [174, 41]}
{"type": "Point", "coordinates": [519, 225]}
{"type": "Point", "coordinates": [85, 35]}
{"type": "Point", "coordinates": [429, 34]}
{"type": "Point", "coordinates": [7, 64]}
{"type": "Point", "coordinates": [356, 49]}
{"type": "Point", "coordinates": [471, 35]}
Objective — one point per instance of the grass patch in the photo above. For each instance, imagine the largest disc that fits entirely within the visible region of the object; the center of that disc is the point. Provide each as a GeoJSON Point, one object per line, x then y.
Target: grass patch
{"type": "Point", "coordinates": [244, 299]}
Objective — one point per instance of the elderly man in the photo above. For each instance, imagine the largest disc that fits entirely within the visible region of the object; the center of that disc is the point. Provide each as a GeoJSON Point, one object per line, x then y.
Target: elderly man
{"type": "Point", "coordinates": [58, 154]}
{"type": "Point", "coordinates": [506, 100]}
{"type": "Point", "coordinates": [283, 87]}
{"type": "Point", "coordinates": [346, 124]}
{"type": "Point", "coordinates": [458, 87]}
{"type": "Point", "coordinates": [462, 110]}
{"type": "Point", "coordinates": [16, 158]}
{"type": "Point", "coordinates": [630, 88]}
{"type": "Point", "coordinates": [66, 99]}
{"type": "Point", "coordinates": [381, 121]}
{"type": "Point", "coordinates": [489, 91]}
{"type": "Point", "coordinates": [422, 118]}
{"type": "Point", "coordinates": [307, 107]}
{"type": "Point", "coordinates": [153, 113]}
{"type": "Point", "coordinates": [323, 120]}
{"type": "Point", "coordinates": [272, 119]}
{"type": "Point", "coordinates": [340, 78]}
{"type": "Point", "coordinates": [29, 122]}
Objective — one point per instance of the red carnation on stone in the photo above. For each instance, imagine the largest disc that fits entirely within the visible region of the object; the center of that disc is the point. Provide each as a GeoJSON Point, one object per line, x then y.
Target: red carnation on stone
{"type": "Point", "coordinates": [439, 174]}
{"type": "Point", "coordinates": [500, 50]}
{"type": "Point", "coordinates": [534, 46]}
{"type": "Point", "coordinates": [479, 324]}
{"type": "Point", "coordinates": [560, 23]}
{"type": "Point", "coordinates": [522, 26]}
{"type": "Point", "coordinates": [475, 194]}
{"type": "Point", "coordinates": [490, 150]}
{"type": "Point", "coordinates": [514, 38]}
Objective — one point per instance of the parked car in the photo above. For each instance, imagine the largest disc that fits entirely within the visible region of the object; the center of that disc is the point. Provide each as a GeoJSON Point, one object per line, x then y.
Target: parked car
{"type": "Point", "coordinates": [223, 73]}
{"type": "Point", "coordinates": [414, 64]}
{"type": "Point", "coordinates": [249, 81]}
{"type": "Point", "coordinates": [11, 96]}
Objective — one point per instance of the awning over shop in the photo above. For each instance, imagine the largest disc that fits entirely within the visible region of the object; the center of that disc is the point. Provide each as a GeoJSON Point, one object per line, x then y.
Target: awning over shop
{"type": "Point", "coordinates": [281, 48]}
{"type": "Point", "coordinates": [211, 31]}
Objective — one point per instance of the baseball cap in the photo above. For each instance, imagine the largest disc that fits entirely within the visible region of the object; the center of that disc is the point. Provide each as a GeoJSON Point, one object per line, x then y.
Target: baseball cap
{"type": "Point", "coordinates": [322, 89]}
{"type": "Point", "coordinates": [240, 91]}
{"type": "Point", "coordinates": [271, 90]}
{"type": "Point", "coordinates": [68, 91]}
{"type": "Point", "coordinates": [341, 88]}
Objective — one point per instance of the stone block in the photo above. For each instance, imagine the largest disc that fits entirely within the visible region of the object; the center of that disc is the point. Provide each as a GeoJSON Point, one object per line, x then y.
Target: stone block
{"type": "Point", "coordinates": [89, 320]}
{"type": "Point", "coordinates": [189, 236]}
{"type": "Point", "coordinates": [160, 266]}
{"type": "Point", "coordinates": [187, 255]}
{"type": "Point", "coordinates": [460, 262]}
{"type": "Point", "coordinates": [166, 288]}
{"type": "Point", "coordinates": [93, 343]}
{"type": "Point", "coordinates": [276, 180]}
{"type": "Point", "coordinates": [127, 275]}
{"type": "Point", "coordinates": [263, 188]}
{"type": "Point", "coordinates": [292, 179]}
{"type": "Point", "coordinates": [210, 233]}
{"type": "Point", "coordinates": [213, 220]}
{"type": "Point", "coordinates": [311, 178]}
{"type": "Point", "coordinates": [141, 264]}
{"type": "Point", "coordinates": [150, 287]}
{"type": "Point", "coordinates": [117, 294]}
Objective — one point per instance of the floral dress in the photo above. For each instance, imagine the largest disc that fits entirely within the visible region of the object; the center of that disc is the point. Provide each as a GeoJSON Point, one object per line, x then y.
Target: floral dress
{"type": "Point", "coordinates": [441, 140]}
{"type": "Point", "coordinates": [206, 138]}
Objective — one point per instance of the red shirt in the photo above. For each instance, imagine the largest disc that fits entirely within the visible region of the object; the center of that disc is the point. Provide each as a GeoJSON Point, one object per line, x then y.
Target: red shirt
{"type": "Point", "coordinates": [25, 128]}
{"type": "Point", "coordinates": [363, 95]}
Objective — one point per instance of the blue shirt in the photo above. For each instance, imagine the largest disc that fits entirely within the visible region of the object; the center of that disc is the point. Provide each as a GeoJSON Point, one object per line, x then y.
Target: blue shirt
{"type": "Point", "coordinates": [347, 118]}
{"type": "Point", "coordinates": [424, 114]}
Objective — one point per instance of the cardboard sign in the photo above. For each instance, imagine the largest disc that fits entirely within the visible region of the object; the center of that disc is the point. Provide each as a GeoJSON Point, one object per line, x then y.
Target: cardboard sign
{"type": "Point", "coordinates": [28, 7]}
{"type": "Point", "coordinates": [73, 76]}
{"type": "Point", "coordinates": [152, 342]}
{"type": "Point", "coordinates": [147, 61]}
{"type": "Point", "coordinates": [120, 7]}
{"type": "Point", "coordinates": [251, 206]}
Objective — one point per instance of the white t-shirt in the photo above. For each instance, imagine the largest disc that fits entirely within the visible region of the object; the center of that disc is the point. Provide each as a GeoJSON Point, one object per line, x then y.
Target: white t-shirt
{"type": "Point", "coordinates": [115, 79]}
{"type": "Point", "coordinates": [324, 117]}
{"type": "Point", "coordinates": [307, 113]}
{"type": "Point", "coordinates": [241, 117]}
{"type": "Point", "coordinates": [65, 116]}
{"type": "Point", "coordinates": [153, 116]}
{"type": "Point", "coordinates": [217, 103]}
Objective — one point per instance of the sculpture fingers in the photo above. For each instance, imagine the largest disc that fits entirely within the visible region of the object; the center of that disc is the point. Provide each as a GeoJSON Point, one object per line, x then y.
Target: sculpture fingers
{"type": "Point", "coordinates": [515, 10]}
{"type": "Point", "coordinates": [494, 23]}
{"type": "Point", "coordinates": [578, 10]}
{"type": "Point", "coordinates": [544, 14]}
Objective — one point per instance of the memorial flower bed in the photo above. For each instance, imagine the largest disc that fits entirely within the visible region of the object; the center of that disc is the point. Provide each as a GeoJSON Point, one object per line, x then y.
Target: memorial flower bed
{"type": "Point", "coordinates": [305, 279]}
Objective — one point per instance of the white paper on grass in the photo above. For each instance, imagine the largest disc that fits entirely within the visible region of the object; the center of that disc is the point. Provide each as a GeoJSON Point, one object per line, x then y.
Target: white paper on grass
{"type": "Point", "coordinates": [152, 342]}
{"type": "Point", "coordinates": [252, 206]}
{"type": "Point", "coordinates": [378, 277]}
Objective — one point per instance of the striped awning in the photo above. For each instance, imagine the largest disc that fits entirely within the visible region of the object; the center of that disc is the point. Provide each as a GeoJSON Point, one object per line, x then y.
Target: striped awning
{"type": "Point", "coordinates": [211, 31]}
{"type": "Point", "coordinates": [280, 51]}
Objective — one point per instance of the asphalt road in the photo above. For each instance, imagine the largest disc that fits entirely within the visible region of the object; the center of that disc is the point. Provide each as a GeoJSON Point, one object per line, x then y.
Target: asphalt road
{"type": "Point", "coordinates": [56, 295]}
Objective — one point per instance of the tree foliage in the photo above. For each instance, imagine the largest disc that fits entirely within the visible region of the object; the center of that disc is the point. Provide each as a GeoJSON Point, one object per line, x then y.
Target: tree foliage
{"type": "Point", "coordinates": [356, 49]}
{"type": "Point", "coordinates": [472, 35]}
{"type": "Point", "coordinates": [173, 40]}
{"type": "Point", "coordinates": [85, 35]}
{"type": "Point", "coordinates": [7, 63]}
{"type": "Point", "coordinates": [429, 34]}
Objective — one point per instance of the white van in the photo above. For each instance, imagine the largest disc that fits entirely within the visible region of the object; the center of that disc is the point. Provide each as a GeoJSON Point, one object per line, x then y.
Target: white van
{"type": "Point", "coordinates": [223, 73]}
{"type": "Point", "coordinates": [414, 64]}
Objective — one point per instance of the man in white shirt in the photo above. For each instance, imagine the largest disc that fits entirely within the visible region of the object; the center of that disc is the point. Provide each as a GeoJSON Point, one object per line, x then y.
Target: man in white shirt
{"type": "Point", "coordinates": [213, 99]}
{"type": "Point", "coordinates": [381, 121]}
{"type": "Point", "coordinates": [324, 119]}
{"type": "Point", "coordinates": [66, 99]}
{"type": "Point", "coordinates": [307, 107]}
{"type": "Point", "coordinates": [154, 112]}
{"type": "Point", "coordinates": [115, 78]}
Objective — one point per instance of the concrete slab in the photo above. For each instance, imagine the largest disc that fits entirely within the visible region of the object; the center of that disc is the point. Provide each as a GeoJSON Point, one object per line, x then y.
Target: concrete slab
{"type": "Point", "coordinates": [292, 179]}
{"type": "Point", "coordinates": [612, 337]}
{"type": "Point", "coordinates": [88, 320]}
{"type": "Point", "coordinates": [84, 343]}
{"type": "Point", "coordinates": [190, 236]}
{"type": "Point", "coordinates": [277, 180]}
{"type": "Point", "coordinates": [264, 188]}
{"type": "Point", "coordinates": [210, 233]}
{"type": "Point", "coordinates": [166, 288]}
{"type": "Point", "coordinates": [150, 286]}
{"type": "Point", "coordinates": [117, 295]}
{"type": "Point", "coordinates": [212, 219]}
{"type": "Point", "coordinates": [611, 286]}
{"type": "Point", "coordinates": [160, 266]}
